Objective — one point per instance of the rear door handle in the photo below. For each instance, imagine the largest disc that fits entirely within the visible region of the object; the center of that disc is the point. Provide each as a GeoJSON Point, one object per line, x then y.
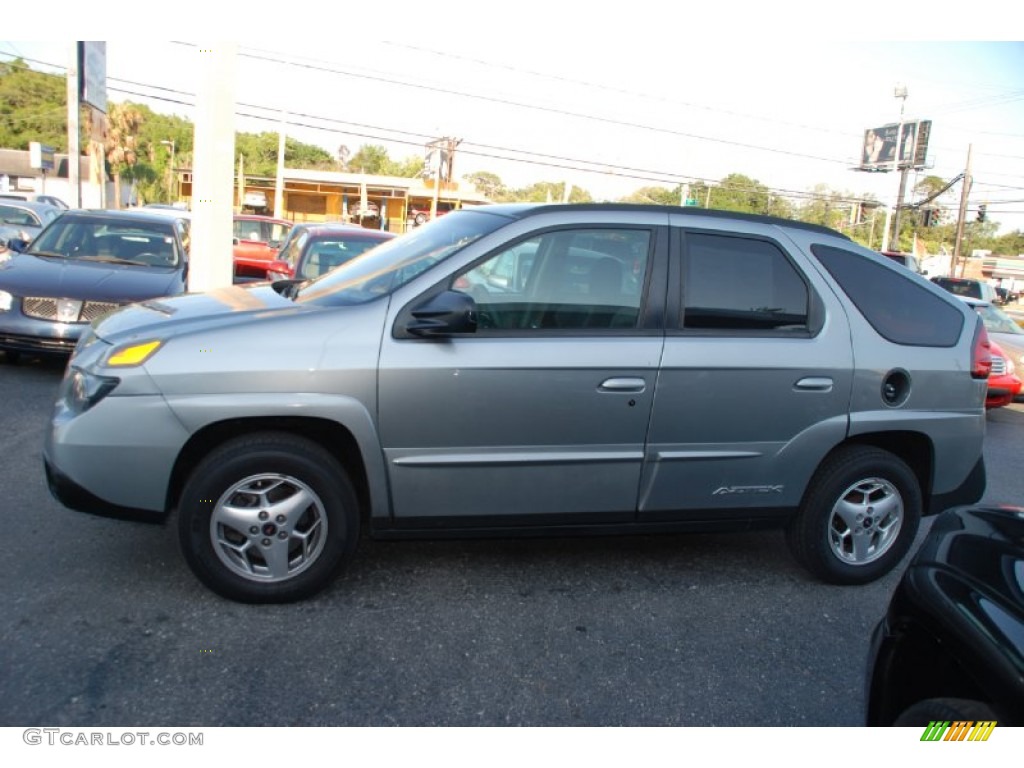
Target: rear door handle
{"type": "Point", "coordinates": [623, 384]}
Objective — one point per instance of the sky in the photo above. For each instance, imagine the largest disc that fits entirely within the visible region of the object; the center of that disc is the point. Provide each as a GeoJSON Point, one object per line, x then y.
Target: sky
{"type": "Point", "coordinates": [608, 98]}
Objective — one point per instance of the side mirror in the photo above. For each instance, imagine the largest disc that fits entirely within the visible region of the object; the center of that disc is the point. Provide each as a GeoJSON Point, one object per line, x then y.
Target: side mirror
{"type": "Point", "coordinates": [234, 241]}
{"type": "Point", "coordinates": [17, 245]}
{"type": "Point", "coordinates": [447, 313]}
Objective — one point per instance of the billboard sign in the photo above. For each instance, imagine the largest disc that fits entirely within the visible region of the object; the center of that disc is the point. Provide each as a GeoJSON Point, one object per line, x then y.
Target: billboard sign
{"type": "Point", "coordinates": [92, 68]}
{"type": "Point", "coordinates": [40, 156]}
{"type": "Point", "coordinates": [879, 148]}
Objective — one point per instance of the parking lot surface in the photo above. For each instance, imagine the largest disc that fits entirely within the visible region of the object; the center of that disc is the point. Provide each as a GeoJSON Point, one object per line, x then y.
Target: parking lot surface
{"type": "Point", "coordinates": [105, 625]}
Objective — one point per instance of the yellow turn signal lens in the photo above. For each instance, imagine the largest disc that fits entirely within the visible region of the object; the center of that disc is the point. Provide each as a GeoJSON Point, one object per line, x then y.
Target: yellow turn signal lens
{"type": "Point", "coordinates": [136, 354]}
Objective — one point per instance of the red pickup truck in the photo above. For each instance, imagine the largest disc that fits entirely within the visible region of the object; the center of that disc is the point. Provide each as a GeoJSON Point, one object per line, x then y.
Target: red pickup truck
{"type": "Point", "coordinates": [257, 240]}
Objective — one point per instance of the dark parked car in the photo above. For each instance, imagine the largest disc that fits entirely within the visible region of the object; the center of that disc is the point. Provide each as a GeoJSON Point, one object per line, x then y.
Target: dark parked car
{"type": "Point", "coordinates": [313, 250]}
{"type": "Point", "coordinates": [82, 266]}
{"type": "Point", "coordinates": [951, 646]}
{"type": "Point", "coordinates": [967, 286]}
{"type": "Point", "coordinates": [908, 260]}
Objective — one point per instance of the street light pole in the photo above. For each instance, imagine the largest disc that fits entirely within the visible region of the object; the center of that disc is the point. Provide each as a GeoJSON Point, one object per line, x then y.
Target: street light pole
{"type": "Point", "coordinates": [170, 171]}
{"type": "Point", "coordinates": [900, 93]}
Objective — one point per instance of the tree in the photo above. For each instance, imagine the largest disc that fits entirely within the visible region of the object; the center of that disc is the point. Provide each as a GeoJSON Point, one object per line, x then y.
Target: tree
{"type": "Point", "coordinates": [123, 124]}
{"type": "Point", "coordinates": [487, 184]}
{"type": "Point", "coordinates": [655, 195]}
{"type": "Point", "coordinates": [830, 208]}
{"type": "Point", "coordinates": [742, 194]}
{"type": "Point", "coordinates": [33, 107]}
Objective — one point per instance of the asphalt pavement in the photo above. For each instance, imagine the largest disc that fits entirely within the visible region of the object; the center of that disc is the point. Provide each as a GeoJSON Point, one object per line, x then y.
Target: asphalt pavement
{"type": "Point", "coordinates": [104, 625]}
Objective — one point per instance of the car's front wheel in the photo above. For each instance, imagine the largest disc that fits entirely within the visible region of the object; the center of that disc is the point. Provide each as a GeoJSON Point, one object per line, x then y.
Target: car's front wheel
{"type": "Point", "coordinates": [858, 518]}
{"type": "Point", "coordinates": [929, 711]}
{"type": "Point", "coordinates": [268, 518]}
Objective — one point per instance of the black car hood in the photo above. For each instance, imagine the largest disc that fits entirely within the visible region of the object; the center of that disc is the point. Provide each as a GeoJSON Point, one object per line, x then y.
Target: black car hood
{"type": "Point", "coordinates": [970, 571]}
{"type": "Point", "coordinates": [28, 275]}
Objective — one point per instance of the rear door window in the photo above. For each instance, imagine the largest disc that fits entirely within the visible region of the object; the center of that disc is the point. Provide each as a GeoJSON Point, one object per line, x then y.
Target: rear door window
{"type": "Point", "coordinates": [741, 285]}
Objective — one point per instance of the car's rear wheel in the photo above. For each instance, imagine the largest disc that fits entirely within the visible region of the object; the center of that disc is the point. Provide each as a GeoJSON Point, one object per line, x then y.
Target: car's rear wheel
{"type": "Point", "coordinates": [858, 518]}
{"type": "Point", "coordinates": [268, 518]}
{"type": "Point", "coordinates": [923, 713]}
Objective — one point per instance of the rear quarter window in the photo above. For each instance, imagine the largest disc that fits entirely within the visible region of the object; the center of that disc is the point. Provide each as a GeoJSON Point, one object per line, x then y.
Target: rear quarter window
{"type": "Point", "coordinates": [897, 306]}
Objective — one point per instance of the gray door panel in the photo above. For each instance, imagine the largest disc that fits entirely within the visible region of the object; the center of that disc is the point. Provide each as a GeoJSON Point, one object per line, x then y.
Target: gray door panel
{"type": "Point", "coordinates": [525, 427]}
{"type": "Point", "coordinates": [755, 384]}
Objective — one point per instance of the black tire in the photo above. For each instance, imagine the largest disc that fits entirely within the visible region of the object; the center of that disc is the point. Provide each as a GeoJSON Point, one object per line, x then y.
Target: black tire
{"type": "Point", "coordinates": [923, 713]}
{"type": "Point", "coordinates": [13, 356]}
{"type": "Point", "coordinates": [285, 554]}
{"type": "Point", "coordinates": [878, 537]}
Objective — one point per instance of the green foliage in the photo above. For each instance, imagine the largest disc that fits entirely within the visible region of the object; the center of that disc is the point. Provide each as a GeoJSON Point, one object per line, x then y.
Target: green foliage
{"type": "Point", "coordinates": [488, 184]}
{"type": "Point", "coordinates": [374, 159]}
{"type": "Point", "coordinates": [542, 191]}
{"type": "Point", "coordinates": [655, 196]}
{"type": "Point", "coordinates": [33, 107]}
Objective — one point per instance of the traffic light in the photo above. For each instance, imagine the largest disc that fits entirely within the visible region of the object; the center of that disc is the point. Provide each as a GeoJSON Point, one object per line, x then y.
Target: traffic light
{"type": "Point", "coordinates": [981, 212]}
{"type": "Point", "coordinates": [927, 217]}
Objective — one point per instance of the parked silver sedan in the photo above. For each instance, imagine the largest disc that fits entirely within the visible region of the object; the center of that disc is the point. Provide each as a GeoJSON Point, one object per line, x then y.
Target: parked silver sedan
{"type": "Point", "coordinates": [25, 219]}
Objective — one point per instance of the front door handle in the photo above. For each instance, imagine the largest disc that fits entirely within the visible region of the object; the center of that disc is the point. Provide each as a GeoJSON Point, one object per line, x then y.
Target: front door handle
{"type": "Point", "coordinates": [623, 384]}
{"type": "Point", "coordinates": [815, 384]}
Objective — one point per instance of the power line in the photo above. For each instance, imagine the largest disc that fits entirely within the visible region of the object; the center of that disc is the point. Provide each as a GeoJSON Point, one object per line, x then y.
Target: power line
{"type": "Point", "coordinates": [552, 161]}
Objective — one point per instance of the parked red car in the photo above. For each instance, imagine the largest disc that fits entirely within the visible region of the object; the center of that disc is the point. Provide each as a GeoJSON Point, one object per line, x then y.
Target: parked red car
{"type": "Point", "coordinates": [315, 249]}
{"type": "Point", "coordinates": [420, 214]}
{"type": "Point", "coordinates": [257, 240]}
{"type": "Point", "coordinates": [1003, 383]}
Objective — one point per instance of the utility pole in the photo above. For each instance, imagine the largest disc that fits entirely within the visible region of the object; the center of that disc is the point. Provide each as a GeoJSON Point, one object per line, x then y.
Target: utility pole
{"type": "Point", "coordinates": [445, 163]}
{"type": "Point", "coordinates": [968, 181]}
{"type": "Point", "coordinates": [213, 167]}
{"type": "Point", "coordinates": [900, 93]}
{"type": "Point", "coordinates": [74, 141]}
{"type": "Point", "coordinates": [279, 183]}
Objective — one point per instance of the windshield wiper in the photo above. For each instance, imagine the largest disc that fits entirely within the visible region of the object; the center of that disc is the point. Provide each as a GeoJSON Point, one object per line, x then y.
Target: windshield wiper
{"type": "Point", "coordinates": [110, 260]}
{"type": "Point", "coordinates": [48, 254]}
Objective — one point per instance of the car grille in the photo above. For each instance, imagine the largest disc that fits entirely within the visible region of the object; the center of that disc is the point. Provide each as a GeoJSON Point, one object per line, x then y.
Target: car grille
{"type": "Point", "coordinates": [66, 310]}
{"type": "Point", "coordinates": [998, 365]}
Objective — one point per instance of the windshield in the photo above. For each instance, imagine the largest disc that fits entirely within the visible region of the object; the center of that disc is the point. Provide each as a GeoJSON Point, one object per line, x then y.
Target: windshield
{"type": "Point", "coordinates": [394, 263]}
{"type": "Point", "coordinates": [326, 253]}
{"type": "Point", "coordinates": [997, 321]}
{"type": "Point", "coordinates": [18, 217]}
{"type": "Point", "coordinates": [109, 240]}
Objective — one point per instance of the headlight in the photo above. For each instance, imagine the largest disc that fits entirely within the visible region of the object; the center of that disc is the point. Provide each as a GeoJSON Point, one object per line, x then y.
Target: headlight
{"type": "Point", "coordinates": [5, 301]}
{"type": "Point", "coordinates": [81, 390]}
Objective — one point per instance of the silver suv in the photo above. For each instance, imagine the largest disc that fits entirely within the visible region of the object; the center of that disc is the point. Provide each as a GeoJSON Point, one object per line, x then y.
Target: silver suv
{"type": "Point", "coordinates": [511, 369]}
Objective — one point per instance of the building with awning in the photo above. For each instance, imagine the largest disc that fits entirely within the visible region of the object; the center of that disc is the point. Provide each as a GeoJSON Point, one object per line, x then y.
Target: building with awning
{"type": "Point", "coordinates": [385, 202]}
{"type": "Point", "coordinates": [1003, 268]}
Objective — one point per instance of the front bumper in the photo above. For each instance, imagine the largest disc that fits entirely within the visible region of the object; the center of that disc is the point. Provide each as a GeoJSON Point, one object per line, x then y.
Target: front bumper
{"type": "Point", "coordinates": [73, 496]}
{"type": "Point", "coordinates": [24, 334]}
{"type": "Point", "coordinates": [116, 458]}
